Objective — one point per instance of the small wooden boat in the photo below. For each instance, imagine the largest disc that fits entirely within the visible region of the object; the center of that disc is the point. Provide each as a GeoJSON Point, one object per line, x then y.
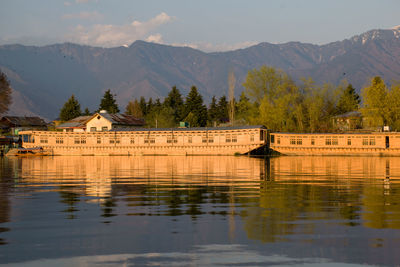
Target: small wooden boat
{"type": "Point", "coordinates": [26, 152]}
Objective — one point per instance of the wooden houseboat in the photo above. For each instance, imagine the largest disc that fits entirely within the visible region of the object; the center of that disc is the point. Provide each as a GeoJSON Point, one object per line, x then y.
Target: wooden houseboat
{"type": "Point", "coordinates": [142, 141]}
{"type": "Point", "coordinates": [376, 143]}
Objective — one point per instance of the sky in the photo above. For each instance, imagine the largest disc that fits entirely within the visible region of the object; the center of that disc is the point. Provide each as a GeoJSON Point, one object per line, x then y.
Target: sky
{"type": "Point", "coordinates": [208, 25]}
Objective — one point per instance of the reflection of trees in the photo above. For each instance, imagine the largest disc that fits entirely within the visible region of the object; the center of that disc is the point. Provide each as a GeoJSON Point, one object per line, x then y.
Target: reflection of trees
{"type": "Point", "coordinates": [7, 169]}
{"type": "Point", "coordinates": [70, 199]}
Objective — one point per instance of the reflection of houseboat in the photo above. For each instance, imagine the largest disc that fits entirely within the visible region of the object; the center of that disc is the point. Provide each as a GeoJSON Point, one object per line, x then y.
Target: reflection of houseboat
{"type": "Point", "coordinates": [96, 139]}
{"type": "Point", "coordinates": [378, 143]}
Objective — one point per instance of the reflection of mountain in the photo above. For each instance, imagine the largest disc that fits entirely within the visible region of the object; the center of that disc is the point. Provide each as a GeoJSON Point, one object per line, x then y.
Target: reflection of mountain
{"type": "Point", "coordinates": [305, 191]}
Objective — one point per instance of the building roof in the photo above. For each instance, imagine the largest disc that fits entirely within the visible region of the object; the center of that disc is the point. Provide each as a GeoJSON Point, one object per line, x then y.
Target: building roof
{"type": "Point", "coordinates": [349, 114]}
{"type": "Point", "coordinates": [15, 121]}
{"type": "Point", "coordinates": [78, 122]}
{"type": "Point", "coordinates": [122, 119]}
{"type": "Point", "coordinates": [115, 119]}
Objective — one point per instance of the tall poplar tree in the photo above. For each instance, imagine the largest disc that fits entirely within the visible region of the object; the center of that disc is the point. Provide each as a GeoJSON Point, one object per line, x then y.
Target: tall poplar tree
{"type": "Point", "coordinates": [5, 93]}
{"type": "Point", "coordinates": [133, 108]}
{"type": "Point", "coordinates": [70, 110]}
{"type": "Point", "coordinates": [108, 103]}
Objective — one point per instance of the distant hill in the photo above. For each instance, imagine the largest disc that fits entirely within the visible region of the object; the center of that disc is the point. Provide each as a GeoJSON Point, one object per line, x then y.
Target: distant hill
{"type": "Point", "coordinates": [43, 78]}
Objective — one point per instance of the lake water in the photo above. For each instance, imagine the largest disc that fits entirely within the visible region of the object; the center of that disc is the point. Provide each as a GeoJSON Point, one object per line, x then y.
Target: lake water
{"type": "Point", "coordinates": [200, 211]}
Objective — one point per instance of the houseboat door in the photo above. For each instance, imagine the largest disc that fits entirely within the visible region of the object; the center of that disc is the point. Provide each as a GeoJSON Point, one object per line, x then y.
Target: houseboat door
{"type": "Point", "coordinates": [387, 141]}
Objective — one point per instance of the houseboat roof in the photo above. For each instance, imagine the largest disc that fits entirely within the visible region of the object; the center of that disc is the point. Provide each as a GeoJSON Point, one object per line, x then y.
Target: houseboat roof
{"type": "Point", "coordinates": [192, 128]}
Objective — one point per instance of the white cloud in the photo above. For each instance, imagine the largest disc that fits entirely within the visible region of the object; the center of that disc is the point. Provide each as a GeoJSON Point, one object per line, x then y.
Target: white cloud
{"type": "Point", "coordinates": [84, 15]}
{"type": "Point", "coordinates": [108, 35]}
{"type": "Point", "coordinates": [155, 38]}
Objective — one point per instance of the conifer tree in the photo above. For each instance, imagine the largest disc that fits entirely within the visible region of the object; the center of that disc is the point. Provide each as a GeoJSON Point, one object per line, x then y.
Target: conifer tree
{"type": "Point", "coordinates": [175, 102]}
{"type": "Point", "coordinates": [143, 105]}
{"type": "Point", "coordinates": [195, 107]}
{"type": "Point", "coordinates": [70, 110]}
{"type": "Point", "coordinates": [349, 100]}
{"type": "Point", "coordinates": [5, 93]}
{"type": "Point", "coordinates": [86, 112]}
{"type": "Point", "coordinates": [213, 111]}
{"type": "Point", "coordinates": [223, 112]}
{"type": "Point", "coordinates": [108, 103]}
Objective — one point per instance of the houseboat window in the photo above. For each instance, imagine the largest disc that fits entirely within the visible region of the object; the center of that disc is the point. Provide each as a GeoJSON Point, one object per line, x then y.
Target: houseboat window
{"type": "Point", "coordinates": [69, 130]}
{"type": "Point", "coordinates": [228, 138]}
{"type": "Point", "coordinates": [328, 141]}
{"type": "Point", "coordinates": [77, 140]}
{"type": "Point", "coordinates": [312, 141]}
{"type": "Point", "coordinates": [189, 139]}
{"type": "Point", "coordinates": [262, 135]}
{"type": "Point", "coordinates": [371, 141]}
{"type": "Point", "coordinates": [83, 140]}
{"type": "Point", "coordinates": [278, 140]}
{"type": "Point", "coordinates": [252, 138]}
{"type": "Point", "coordinates": [349, 141]}
{"type": "Point", "coordinates": [292, 140]}
{"type": "Point", "coordinates": [99, 140]}
{"type": "Point", "coordinates": [148, 140]}
{"type": "Point", "coordinates": [92, 129]}
{"type": "Point", "coordinates": [172, 139]}
{"type": "Point", "coordinates": [132, 140]}
{"type": "Point", "coordinates": [335, 141]}
{"type": "Point", "coordinates": [272, 138]}
{"type": "Point", "coordinates": [365, 141]}
{"type": "Point", "coordinates": [299, 141]}
{"type": "Point", "coordinates": [234, 138]}
{"type": "Point", "coordinates": [27, 138]}
{"type": "Point", "coordinates": [59, 140]}
{"type": "Point", "coordinates": [44, 140]}
{"type": "Point", "coordinates": [104, 128]}
{"type": "Point", "coordinates": [211, 139]}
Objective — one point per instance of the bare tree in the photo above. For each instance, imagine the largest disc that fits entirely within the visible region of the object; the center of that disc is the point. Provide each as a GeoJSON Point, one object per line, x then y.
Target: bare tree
{"type": "Point", "coordinates": [231, 87]}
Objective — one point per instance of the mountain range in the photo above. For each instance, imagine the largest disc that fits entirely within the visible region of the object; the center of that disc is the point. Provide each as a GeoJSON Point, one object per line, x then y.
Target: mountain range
{"type": "Point", "coordinates": [43, 78]}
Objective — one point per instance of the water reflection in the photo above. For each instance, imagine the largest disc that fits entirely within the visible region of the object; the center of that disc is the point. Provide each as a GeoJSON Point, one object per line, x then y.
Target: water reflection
{"type": "Point", "coordinates": [122, 204]}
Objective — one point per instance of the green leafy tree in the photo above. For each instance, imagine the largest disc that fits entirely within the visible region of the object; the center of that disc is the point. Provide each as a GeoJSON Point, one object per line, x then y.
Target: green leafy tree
{"type": "Point", "coordinates": [376, 101]}
{"type": "Point", "coordinates": [70, 110]}
{"type": "Point", "coordinates": [133, 108]}
{"type": "Point", "coordinates": [245, 110]}
{"type": "Point", "coordinates": [108, 103]}
{"type": "Point", "coordinates": [5, 93]}
{"type": "Point", "coordinates": [175, 102]}
{"type": "Point", "coordinates": [160, 117]}
{"type": "Point", "coordinates": [194, 104]}
{"type": "Point", "coordinates": [394, 107]}
{"type": "Point", "coordinates": [278, 98]}
{"type": "Point", "coordinates": [349, 100]}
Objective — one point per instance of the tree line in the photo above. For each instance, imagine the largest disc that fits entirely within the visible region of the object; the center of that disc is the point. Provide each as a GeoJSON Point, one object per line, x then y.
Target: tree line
{"type": "Point", "coordinates": [270, 98]}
